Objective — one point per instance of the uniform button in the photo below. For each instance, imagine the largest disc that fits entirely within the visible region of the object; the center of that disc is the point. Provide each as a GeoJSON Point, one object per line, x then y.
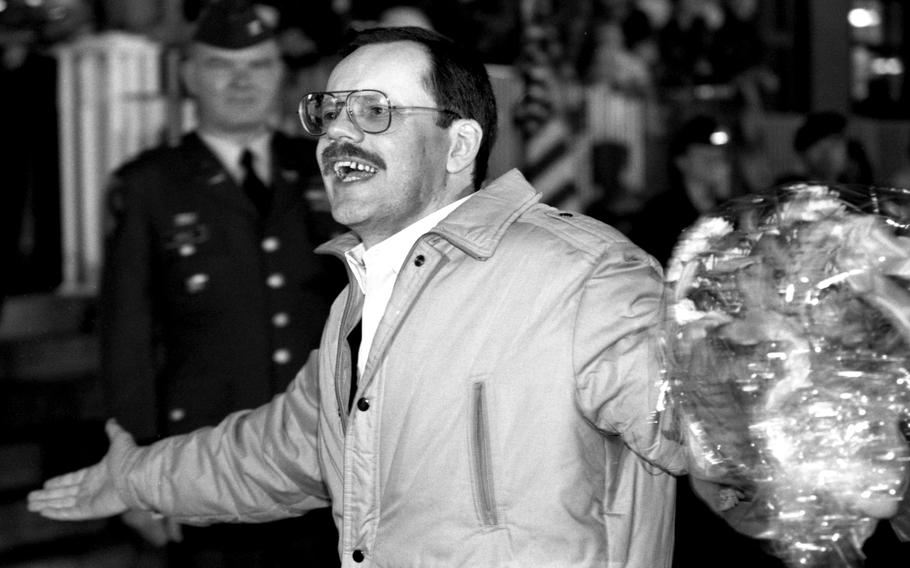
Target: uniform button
{"type": "Point", "coordinates": [176, 414]}
{"type": "Point", "coordinates": [281, 356]}
{"type": "Point", "coordinates": [196, 283]}
{"type": "Point", "coordinates": [271, 244]}
{"type": "Point", "coordinates": [280, 319]}
{"type": "Point", "coordinates": [187, 250]}
{"type": "Point", "coordinates": [363, 405]}
{"type": "Point", "coordinates": [275, 280]}
{"type": "Point", "coordinates": [357, 555]}
{"type": "Point", "coordinates": [419, 260]}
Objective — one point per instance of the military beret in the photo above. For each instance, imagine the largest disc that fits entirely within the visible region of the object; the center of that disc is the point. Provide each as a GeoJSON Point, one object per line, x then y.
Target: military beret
{"type": "Point", "coordinates": [816, 126]}
{"type": "Point", "coordinates": [234, 24]}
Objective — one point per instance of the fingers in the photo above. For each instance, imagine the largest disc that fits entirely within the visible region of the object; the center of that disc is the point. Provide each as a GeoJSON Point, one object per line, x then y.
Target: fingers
{"type": "Point", "coordinates": [66, 480]}
{"type": "Point", "coordinates": [60, 503]}
{"type": "Point", "coordinates": [115, 431]}
{"type": "Point", "coordinates": [57, 490]}
{"type": "Point", "coordinates": [66, 514]}
{"type": "Point", "coordinates": [174, 530]}
{"type": "Point", "coordinates": [148, 525]}
{"type": "Point", "coordinates": [121, 440]}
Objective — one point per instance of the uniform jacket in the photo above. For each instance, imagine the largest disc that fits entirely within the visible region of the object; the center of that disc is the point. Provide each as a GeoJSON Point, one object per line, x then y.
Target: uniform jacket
{"type": "Point", "coordinates": [204, 313]}
{"type": "Point", "coordinates": [507, 414]}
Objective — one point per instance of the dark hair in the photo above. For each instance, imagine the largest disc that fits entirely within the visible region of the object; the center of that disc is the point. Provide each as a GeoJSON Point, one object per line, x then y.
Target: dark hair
{"type": "Point", "coordinates": [457, 81]}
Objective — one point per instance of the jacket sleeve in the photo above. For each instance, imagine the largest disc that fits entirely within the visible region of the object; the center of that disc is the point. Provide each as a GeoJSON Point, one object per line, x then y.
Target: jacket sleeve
{"type": "Point", "coordinates": [127, 350]}
{"type": "Point", "coordinates": [255, 466]}
{"type": "Point", "coordinates": [619, 357]}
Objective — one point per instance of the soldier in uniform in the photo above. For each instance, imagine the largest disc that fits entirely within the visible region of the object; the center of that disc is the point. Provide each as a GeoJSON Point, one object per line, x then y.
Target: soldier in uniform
{"type": "Point", "coordinates": [212, 296]}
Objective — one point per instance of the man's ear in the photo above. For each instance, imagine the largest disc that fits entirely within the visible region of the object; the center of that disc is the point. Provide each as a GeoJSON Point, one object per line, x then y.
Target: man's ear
{"type": "Point", "coordinates": [465, 135]}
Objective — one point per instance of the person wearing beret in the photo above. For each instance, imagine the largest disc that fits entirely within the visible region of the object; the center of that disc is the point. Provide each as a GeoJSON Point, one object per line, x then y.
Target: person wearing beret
{"type": "Point", "coordinates": [212, 296]}
{"type": "Point", "coordinates": [827, 153]}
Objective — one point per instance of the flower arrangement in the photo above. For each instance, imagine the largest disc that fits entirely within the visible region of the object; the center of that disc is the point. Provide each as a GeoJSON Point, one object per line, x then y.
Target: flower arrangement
{"type": "Point", "coordinates": [790, 361]}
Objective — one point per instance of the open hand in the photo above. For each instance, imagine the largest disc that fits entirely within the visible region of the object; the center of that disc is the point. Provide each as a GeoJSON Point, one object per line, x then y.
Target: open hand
{"type": "Point", "coordinates": [88, 493]}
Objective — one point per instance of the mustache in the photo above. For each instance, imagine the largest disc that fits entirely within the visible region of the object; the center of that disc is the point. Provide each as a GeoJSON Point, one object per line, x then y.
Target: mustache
{"type": "Point", "coordinates": [348, 150]}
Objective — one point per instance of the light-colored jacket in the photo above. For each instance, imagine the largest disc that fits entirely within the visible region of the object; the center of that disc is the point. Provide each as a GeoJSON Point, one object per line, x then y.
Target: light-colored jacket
{"type": "Point", "coordinates": [506, 415]}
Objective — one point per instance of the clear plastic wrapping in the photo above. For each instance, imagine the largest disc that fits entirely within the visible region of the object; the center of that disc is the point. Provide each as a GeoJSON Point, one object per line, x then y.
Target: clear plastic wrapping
{"type": "Point", "coordinates": [790, 361]}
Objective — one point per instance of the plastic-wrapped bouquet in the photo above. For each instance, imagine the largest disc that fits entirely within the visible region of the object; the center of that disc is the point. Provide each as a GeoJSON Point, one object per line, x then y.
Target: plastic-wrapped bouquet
{"type": "Point", "coordinates": [790, 361]}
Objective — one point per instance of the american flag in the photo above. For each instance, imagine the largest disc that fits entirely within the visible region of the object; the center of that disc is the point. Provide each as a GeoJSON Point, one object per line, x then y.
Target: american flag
{"type": "Point", "coordinates": [553, 155]}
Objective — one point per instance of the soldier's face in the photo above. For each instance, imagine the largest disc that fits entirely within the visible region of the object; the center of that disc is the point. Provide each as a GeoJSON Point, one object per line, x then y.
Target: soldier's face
{"type": "Point", "coordinates": [236, 90]}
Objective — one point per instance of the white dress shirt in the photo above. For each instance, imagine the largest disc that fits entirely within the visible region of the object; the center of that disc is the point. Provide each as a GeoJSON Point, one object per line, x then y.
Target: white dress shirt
{"type": "Point", "coordinates": [229, 153]}
{"type": "Point", "coordinates": [376, 270]}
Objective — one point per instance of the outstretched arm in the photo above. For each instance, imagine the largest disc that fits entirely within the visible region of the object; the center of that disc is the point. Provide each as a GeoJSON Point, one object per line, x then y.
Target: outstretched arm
{"type": "Point", "coordinates": [89, 493]}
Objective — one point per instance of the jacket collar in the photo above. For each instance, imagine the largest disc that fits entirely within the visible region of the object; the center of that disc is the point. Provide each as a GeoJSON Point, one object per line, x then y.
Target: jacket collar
{"type": "Point", "coordinates": [477, 227]}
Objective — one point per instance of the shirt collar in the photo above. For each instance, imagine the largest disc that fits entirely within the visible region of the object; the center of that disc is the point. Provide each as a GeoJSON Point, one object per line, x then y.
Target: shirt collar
{"type": "Point", "coordinates": [228, 152]}
{"type": "Point", "coordinates": [392, 252]}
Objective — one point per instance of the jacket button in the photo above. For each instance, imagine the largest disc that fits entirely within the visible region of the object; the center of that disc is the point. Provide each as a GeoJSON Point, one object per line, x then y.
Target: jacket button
{"type": "Point", "coordinates": [176, 414]}
{"type": "Point", "coordinates": [363, 405]}
{"type": "Point", "coordinates": [357, 555]}
{"type": "Point", "coordinates": [419, 260]}
{"type": "Point", "coordinates": [275, 280]}
{"type": "Point", "coordinates": [281, 319]}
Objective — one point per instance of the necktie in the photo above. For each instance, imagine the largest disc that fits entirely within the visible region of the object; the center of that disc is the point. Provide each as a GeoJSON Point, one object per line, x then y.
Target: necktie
{"type": "Point", "coordinates": [255, 190]}
{"type": "Point", "coordinates": [354, 345]}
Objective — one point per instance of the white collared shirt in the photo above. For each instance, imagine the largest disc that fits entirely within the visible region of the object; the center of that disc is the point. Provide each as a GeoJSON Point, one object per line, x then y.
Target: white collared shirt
{"type": "Point", "coordinates": [229, 153]}
{"type": "Point", "coordinates": [376, 270]}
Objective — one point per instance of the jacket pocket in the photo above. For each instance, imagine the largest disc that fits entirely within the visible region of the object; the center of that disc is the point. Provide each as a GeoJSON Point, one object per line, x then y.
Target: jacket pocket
{"type": "Point", "coordinates": [481, 458]}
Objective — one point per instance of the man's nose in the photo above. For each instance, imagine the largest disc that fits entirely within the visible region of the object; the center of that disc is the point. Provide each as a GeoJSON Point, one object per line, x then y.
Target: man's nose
{"type": "Point", "coordinates": [343, 127]}
{"type": "Point", "coordinates": [241, 77]}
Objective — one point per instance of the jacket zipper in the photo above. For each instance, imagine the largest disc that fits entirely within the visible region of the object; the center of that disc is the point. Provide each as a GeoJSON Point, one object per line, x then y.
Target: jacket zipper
{"type": "Point", "coordinates": [483, 470]}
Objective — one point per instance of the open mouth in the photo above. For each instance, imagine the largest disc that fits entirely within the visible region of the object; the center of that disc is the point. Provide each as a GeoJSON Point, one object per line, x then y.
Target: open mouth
{"type": "Point", "coordinates": [353, 170]}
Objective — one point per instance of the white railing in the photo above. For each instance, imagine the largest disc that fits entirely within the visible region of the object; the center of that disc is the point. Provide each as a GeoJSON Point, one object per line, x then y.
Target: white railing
{"type": "Point", "coordinates": [111, 106]}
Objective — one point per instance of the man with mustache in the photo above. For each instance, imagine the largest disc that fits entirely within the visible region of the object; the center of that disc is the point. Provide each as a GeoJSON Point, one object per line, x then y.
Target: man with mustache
{"type": "Point", "coordinates": [486, 391]}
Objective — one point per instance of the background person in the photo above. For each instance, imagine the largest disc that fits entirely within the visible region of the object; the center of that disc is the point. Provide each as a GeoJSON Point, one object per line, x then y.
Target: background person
{"type": "Point", "coordinates": [827, 153]}
{"type": "Point", "coordinates": [701, 172]}
{"type": "Point", "coordinates": [212, 296]}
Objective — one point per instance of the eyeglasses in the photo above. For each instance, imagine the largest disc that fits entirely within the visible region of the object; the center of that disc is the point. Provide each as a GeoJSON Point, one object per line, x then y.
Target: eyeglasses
{"type": "Point", "coordinates": [369, 109]}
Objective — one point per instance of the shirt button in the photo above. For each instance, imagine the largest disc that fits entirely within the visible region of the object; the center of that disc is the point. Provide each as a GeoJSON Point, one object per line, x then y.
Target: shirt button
{"type": "Point", "coordinates": [280, 319]}
{"type": "Point", "coordinates": [271, 244]}
{"type": "Point", "coordinates": [363, 405]}
{"type": "Point", "coordinates": [358, 556]}
{"type": "Point", "coordinates": [275, 280]}
{"type": "Point", "coordinates": [419, 260]}
{"type": "Point", "coordinates": [281, 356]}
{"type": "Point", "coordinates": [176, 414]}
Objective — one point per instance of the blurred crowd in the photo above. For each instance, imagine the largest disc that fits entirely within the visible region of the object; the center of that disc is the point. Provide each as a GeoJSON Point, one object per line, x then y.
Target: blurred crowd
{"type": "Point", "coordinates": [689, 58]}
{"type": "Point", "coordinates": [631, 44]}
